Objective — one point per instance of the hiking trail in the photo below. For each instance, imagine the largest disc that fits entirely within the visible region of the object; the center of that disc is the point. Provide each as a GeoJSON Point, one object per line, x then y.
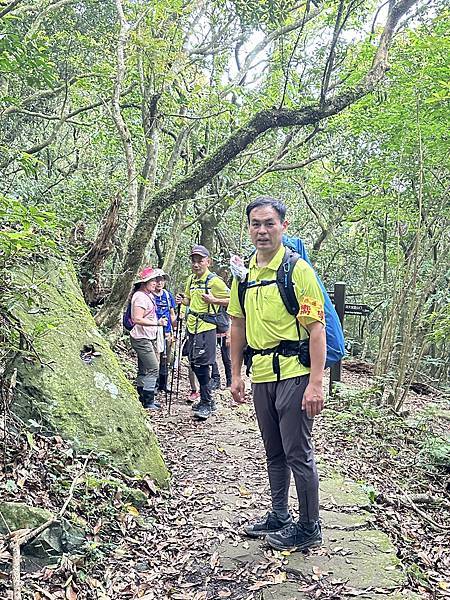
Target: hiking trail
{"type": "Point", "coordinates": [219, 482]}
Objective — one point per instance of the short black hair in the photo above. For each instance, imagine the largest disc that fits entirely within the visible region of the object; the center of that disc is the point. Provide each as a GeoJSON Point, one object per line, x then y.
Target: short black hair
{"type": "Point", "coordinates": [267, 201]}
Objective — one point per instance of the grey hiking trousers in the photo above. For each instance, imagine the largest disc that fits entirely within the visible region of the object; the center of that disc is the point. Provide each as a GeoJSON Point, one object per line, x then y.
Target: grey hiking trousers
{"type": "Point", "coordinates": [286, 433]}
{"type": "Point", "coordinates": [148, 366]}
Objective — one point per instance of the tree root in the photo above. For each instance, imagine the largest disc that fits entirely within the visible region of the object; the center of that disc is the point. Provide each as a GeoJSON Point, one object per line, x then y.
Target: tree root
{"type": "Point", "coordinates": [20, 537]}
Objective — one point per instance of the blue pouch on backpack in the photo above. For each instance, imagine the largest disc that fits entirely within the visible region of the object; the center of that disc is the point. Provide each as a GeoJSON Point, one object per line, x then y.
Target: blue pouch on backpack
{"type": "Point", "coordinates": [333, 327]}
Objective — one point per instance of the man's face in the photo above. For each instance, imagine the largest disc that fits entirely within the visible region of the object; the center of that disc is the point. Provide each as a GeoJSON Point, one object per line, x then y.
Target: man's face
{"type": "Point", "coordinates": [265, 228]}
{"type": "Point", "coordinates": [199, 264]}
{"type": "Point", "coordinates": [160, 281]}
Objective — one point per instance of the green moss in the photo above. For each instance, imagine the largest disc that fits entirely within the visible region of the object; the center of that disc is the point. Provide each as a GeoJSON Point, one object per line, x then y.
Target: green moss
{"type": "Point", "coordinates": [17, 515]}
{"type": "Point", "coordinates": [336, 490]}
{"type": "Point", "coordinates": [94, 405]}
{"type": "Point", "coordinates": [132, 495]}
{"type": "Point", "coordinates": [382, 543]}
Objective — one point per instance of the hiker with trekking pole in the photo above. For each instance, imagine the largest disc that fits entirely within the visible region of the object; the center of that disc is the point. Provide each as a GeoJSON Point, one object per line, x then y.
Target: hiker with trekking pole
{"type": "Point", "coordinates": [207, 297]}
{"type": "Point", "coordinates": [146, 334]}
{"type": "Point", "coordinates": [176, 363]}
{"type": "Point", "coordinates": [165, 308]}
{"type": "Point", "coordinates": [278, 330]}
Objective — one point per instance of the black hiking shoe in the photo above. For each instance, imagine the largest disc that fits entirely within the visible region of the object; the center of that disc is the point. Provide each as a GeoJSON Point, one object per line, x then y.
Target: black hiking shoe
{"type": "Point", "coordinates": [296, 537]}
{"type": "Point", "coordinates": [203, 411]}
{"type": "Point", "coordinates": [270, 523]}
{"type": "Point", "coordinates": [148, 400]}
{"type": "Point", "coordinates": [197, 405]}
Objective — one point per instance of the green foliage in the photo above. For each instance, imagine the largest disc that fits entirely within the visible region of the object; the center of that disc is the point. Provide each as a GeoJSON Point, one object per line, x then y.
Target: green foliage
{"type": "Point", "coordinates": [356, 199]}
{"type": "Point", "coordinates": [438, 320]}
{"type": "Point", "coordinates": [357, 413]}
{"type": "Point", "coordinates": [364, 400]}
{"type": "Point", "coordinates": [255, 12]}
{"type": "Point", "coordinates": [25, 58]}
{"type": "Point", "coordinates": [370, 491]}
{"type": "Point", "coordinates": [26, 231]}
{"type": "Point", "coordinates": [437, 450]}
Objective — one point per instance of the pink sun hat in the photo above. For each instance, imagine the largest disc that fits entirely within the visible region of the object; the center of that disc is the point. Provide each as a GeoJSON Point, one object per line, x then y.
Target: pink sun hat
{"type": "Point", "coordinates": [146, 274]}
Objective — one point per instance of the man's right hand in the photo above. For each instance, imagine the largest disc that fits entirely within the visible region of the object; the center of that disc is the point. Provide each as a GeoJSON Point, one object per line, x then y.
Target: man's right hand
{"type": "Point", "coordinates": [238, 390]}
{"type": "Point", "coordinates": [179, 298]}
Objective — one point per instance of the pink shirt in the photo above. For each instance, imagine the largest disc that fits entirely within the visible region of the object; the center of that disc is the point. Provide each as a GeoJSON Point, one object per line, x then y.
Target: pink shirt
{"type": "Point", "coordinates": [145, 301]}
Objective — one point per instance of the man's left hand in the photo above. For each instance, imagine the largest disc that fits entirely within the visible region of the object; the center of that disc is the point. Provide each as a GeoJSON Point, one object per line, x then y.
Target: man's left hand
{"type": "Point", "coordinates": [209, 298]}
{"type": "Point", "coordinates": [312, 400]}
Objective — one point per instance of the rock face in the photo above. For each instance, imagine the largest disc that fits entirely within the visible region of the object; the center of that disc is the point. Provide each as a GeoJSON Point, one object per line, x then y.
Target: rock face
{"type": "Point", "coordinates": [71, 382]}
{"type": "Point", "coordinates": [61, 537]}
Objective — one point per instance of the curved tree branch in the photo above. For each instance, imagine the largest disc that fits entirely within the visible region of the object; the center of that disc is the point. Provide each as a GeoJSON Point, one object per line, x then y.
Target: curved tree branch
{"type": "Point", "coordinates": [9, 7]}
{"type": "Point", "coordinates": [207, 169]}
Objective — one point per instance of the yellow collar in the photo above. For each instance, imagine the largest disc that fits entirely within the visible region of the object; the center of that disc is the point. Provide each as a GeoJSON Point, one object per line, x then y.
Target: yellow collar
{"type": "Point", "coordinates": [273, 264]}
{"type": "Point", "coordinates": [202, 278]}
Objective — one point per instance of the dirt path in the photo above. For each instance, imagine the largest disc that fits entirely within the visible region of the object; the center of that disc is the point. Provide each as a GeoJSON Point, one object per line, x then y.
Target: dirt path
{"type": "Point", "coordinates": [186, 543]}
{"type": "Point", "coordinates": [219, 483]}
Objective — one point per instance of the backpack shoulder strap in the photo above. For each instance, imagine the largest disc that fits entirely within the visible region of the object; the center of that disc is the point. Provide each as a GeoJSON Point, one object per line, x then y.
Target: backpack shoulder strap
{"type": "Point", "coordinates": [284, 281]}
{"type": "Point", "coordinates": [208, 279]}
{"type": "Point", "coordinates": [242, 290]}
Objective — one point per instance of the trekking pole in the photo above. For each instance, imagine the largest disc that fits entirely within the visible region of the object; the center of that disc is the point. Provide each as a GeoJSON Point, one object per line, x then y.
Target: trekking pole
{"type": "Point", "coordinates": [164, 357]}
{"type": "Point", "coordinates": [175, 351]}
{"type": "Point", "coordinates": [179, 365]}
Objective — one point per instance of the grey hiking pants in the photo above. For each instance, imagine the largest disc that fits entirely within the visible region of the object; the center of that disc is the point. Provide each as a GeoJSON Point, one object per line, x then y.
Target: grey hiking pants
{"type": "Point", "coordinates": [148, 366]}
{"type": "Point", "coordinates": [286, 433]}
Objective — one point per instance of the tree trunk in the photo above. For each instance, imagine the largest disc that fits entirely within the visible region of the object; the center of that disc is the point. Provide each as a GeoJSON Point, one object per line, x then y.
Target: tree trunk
{"type": "Point", "coordinates": [91, 264]}
{"type": "Point", "coordinates": [208, 223]}
{"type": "Point", "coordinates": [173, 242]}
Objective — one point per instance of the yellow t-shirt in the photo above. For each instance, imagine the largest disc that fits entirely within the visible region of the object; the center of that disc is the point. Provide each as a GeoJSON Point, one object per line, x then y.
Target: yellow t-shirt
{"type": "Point", "coordinates": [267, 322]}
{"type": "Point", "coordinates": [195, 288]}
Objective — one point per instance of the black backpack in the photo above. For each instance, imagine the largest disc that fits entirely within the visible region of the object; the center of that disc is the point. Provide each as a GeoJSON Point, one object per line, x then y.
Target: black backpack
{"type": "Point", "coordinates": [217, 317]}
{"type": "Point", "coordinates": [283, 280]}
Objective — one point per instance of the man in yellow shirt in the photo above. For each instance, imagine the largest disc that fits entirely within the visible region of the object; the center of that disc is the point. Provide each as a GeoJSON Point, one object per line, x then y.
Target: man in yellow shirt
{"type": "Point", "coordinates": [286, 394]}
{"type": "Point", "coordinates": [205, 293]}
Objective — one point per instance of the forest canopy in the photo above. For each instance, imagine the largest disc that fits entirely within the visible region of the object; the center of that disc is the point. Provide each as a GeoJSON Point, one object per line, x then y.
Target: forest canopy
{"type": "Point", "coordinates": [130, 130]}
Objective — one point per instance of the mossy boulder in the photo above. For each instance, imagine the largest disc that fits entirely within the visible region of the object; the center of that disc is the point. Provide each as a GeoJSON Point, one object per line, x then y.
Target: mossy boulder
{"type": "Point", "coordinates": [17, 515]}
{"type": "Point", "coordinates": [71, 382]}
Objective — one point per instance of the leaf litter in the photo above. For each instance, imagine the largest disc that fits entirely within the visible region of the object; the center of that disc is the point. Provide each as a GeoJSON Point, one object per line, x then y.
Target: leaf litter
{"type": "Point", "coordinates": [168, 548]}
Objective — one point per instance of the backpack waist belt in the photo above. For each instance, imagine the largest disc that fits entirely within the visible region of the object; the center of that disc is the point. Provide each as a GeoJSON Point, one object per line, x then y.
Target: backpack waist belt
{"type": "Point", "coordinates": [199, 315]}
{"type": "Point", "coordinates": [284, 348]}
